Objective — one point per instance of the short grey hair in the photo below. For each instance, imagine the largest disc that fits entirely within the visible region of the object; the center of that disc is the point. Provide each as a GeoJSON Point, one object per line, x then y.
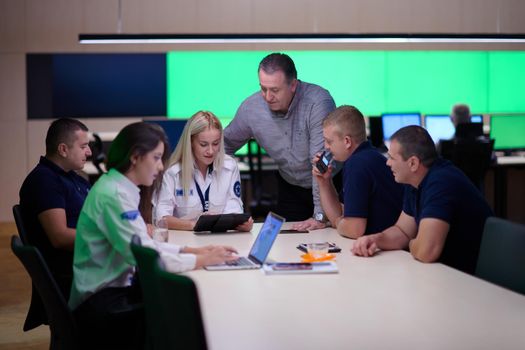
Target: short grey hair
{"type": "Point", "coordinates": [460, 114]}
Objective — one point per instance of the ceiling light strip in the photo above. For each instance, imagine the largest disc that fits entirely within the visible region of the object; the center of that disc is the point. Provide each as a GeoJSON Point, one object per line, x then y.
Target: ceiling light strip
{"type": "Point", "coordinates": [296, 38]}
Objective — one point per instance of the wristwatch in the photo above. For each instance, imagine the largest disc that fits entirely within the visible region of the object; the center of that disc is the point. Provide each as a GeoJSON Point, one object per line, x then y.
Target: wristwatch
{"type": "Point", "coordinates": [320, 217]}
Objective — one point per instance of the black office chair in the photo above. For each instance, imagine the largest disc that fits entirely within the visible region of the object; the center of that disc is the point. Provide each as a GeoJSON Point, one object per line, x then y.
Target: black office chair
{"type": "Point", "coordinates": [469, 130]}
{"type": "Point", "coordinates": [502, 254]}
{"type": "Point", "coordinates": [61, 322]}
{"type": "Point", "coordinates": [472, 156]}
{"type": "Point", "coordinates": [22, 232]}
{"type": "Point", "coordinates": [97, 153]}
{"type": "Point", "coordinates": [173, 314]}
{"type": "Point", "coordinates": [36, 315]}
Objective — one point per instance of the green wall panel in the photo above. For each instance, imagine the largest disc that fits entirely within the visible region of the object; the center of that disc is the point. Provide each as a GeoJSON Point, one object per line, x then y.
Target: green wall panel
{"type": "Point", "coordinates": [374, 81]}
{"type": "Point", "coordinates": [431, 82]}
{"type": "Point", "coordinates": [214, 81]}
{"type": "Point", "coordinates": [506, 86]}
{"type": "Point", "coordinates": [352, 77]}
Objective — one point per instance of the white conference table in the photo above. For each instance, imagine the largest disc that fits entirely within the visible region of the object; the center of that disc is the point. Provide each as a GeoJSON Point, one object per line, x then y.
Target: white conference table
{"type": "Point", "coordinates": [389, 301]}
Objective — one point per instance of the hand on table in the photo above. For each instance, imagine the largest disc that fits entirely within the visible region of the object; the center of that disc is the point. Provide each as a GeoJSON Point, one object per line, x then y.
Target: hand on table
{"type": "Point", "coordinates": [309, 224]}
{"type": "Point", "coordinates": [246, 226]}
{"type": "Point", "coordinates": [364, 246]}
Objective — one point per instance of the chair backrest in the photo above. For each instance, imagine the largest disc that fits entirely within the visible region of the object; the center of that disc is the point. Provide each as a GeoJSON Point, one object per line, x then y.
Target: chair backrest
{"type": "Point", "coordinates": [61, 321]}
{"type": "Point", "coordinates": [502, 254]}
{"type": "Point", "coordinates": [97, 152]}
{"type": "Point", "coordinates": [22, 232]}
{"type": "Point", "coordinates": [36, 315]}
{"type": "Point", "coordinates": [469, 130]}
{"type": "Point", "coordinates": [147, 262]}
{"type": "Point", "coordinates": [473, 156]}
{"type": "Point", "coordinates": [183, 312]}
{"type": "Point", "coordinates": [171, 303]}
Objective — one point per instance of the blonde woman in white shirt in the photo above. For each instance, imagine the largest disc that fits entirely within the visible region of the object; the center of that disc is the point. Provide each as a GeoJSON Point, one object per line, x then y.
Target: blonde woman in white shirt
{"type": "Point", "coordinates": [200, 179]}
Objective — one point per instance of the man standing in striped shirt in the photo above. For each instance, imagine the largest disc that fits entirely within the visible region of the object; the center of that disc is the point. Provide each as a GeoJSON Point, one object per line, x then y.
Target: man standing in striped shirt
{"type": "Point", "coordinates": [286, 118]}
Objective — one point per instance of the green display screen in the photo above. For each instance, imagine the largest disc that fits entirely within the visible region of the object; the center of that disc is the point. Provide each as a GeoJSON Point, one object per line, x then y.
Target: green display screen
{"type": "Point", "coordinates": [508, 131]}
{"type": "Point", "coordinates": [428, 82]}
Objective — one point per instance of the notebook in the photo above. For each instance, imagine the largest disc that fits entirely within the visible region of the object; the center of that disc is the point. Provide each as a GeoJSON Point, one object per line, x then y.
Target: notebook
{"type": "Point", "coordinates": [260, 248]}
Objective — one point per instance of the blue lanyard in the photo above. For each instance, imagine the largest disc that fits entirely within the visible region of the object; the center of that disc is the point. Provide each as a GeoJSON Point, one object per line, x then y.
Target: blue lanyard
{"type": "Point", "coordinates": [205, 200]}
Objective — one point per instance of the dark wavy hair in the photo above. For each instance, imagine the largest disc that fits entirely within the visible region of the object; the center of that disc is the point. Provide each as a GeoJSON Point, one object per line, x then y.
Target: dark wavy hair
{"type": "Point", "coordinates": [135, 139]}
{"type": "Point", "coordinates": [139, 139]}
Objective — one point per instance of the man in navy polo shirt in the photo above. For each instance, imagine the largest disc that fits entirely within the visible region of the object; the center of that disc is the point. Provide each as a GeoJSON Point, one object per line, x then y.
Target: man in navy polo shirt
{"type": "Point", "coordinates": [443, 213]}
{"type": "Point", "coordinates": [52, 196]}
{"type": "Point", "coordinates": [372, 199]}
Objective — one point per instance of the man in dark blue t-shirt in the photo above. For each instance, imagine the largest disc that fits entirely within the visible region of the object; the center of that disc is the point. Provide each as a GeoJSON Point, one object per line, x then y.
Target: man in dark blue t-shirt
{"type": "Point", "coordinates": [52, 196]}
{"type": "Point", "coordinates": [443, 213]}
{"type": "Point", "coordinates": [372, 200]}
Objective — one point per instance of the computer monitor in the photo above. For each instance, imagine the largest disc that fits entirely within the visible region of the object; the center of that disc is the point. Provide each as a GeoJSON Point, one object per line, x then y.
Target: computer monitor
{"type": "Point", "coordinates": [440, 127]}
{"type": "Point", "coordinates": [476, 118]}
{"type": "Point", "coordinates": [508, 131]}
{"type": "Point", "coordinates": [395, 121]}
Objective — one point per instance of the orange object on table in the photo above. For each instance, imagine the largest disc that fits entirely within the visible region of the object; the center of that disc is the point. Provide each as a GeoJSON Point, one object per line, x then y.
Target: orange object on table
{"type": "Point", "coordinates": [308, 258]}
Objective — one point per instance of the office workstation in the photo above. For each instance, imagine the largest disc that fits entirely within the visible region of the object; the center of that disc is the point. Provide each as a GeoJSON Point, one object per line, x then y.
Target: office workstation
{"type": "Point", "coordinates": [388, 301]}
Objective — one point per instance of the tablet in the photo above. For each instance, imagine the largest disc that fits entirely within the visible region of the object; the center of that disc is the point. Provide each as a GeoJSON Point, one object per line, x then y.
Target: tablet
{"type": "Point", "coordinates": [220, 222]}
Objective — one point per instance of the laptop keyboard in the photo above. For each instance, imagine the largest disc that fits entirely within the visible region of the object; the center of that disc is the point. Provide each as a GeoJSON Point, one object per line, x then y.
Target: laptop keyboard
{"type": "Point", "coordinates": [242, 261]}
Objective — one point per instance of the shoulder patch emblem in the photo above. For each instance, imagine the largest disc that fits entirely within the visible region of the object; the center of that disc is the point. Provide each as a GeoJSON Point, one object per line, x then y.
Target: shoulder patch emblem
{"type": "Point", "coordinates": [130, 215]}
{"type": "Point", "coordinates": [237, 189]}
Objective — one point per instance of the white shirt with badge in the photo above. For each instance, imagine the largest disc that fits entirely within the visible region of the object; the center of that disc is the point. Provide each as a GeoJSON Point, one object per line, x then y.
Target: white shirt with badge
{"type": "Point", "coordinates": [108, 220]}
{"type": "Point", "coordinates": [224, 194]}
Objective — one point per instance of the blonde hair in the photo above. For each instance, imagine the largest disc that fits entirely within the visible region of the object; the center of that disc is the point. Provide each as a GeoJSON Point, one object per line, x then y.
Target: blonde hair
{"type": "Point", "coordinates": [199, 122]}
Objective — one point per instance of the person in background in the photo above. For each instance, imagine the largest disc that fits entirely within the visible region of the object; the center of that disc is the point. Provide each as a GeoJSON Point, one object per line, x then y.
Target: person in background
{"type": "Point", "coordinates": [104, 296]}
{"type": "Point", "coordinates": [200, 179]}
{"type": "Point", "coordinates": [443, 213]}
{"type": "Point", "coordinates": [469, 149]}
{"type": "Point", "coordinates": [51, 198]}
{"type": "Point", "coordinates": [372, 200]}
{"type": "Point", "coordinates": [285, 118]}
{"type": "Point", "coordinates": [461, 119]}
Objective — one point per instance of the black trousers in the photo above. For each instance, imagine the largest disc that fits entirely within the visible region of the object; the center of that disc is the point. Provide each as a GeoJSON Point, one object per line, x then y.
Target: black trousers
{"type": "Point", "coordinates": [112, 318]}
{"type": "Point", "coordinates": [294, 203]}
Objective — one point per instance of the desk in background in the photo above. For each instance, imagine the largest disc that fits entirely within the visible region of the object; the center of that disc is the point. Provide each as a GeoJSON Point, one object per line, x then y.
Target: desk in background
{"type": "Point", "coordinates": [502, 172]}
{"type": "Point", "coordinates": [389, 301]}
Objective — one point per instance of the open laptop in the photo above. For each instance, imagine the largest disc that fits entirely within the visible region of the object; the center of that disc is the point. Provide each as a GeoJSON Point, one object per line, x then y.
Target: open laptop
{"type": "Point", "coordinates": [260, 248]}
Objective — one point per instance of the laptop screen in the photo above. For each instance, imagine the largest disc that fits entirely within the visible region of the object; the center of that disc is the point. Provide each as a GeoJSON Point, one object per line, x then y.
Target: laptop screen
{"type": "Point", "coordinates": [264, 241]}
